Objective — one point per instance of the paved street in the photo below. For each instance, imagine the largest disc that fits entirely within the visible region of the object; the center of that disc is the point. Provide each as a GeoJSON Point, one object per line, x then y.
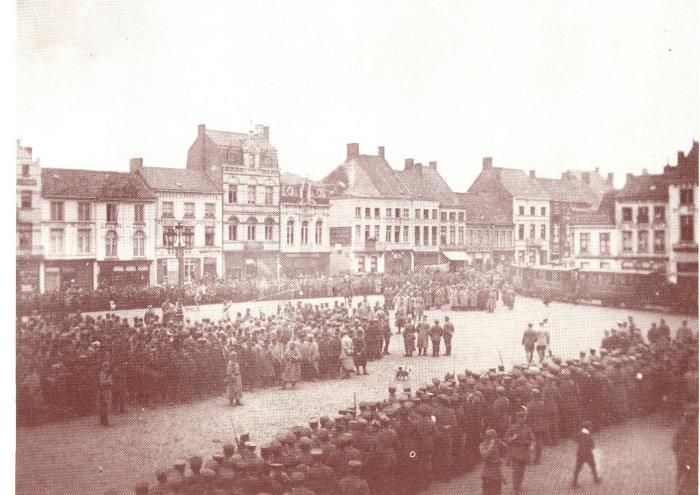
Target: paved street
{"type": "Point", "coordinates": [79, 456]}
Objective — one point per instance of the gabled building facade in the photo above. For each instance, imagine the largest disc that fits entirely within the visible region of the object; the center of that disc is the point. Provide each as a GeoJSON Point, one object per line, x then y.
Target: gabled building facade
{"type": "Point", "coordinates": [245, 169]}
{"type": "Point", "coordinates": [190, 198]}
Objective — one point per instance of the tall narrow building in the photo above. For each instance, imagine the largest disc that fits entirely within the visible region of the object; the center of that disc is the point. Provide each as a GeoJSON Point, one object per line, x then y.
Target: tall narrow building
{"type": "Point", "coordinates": [245, 166]}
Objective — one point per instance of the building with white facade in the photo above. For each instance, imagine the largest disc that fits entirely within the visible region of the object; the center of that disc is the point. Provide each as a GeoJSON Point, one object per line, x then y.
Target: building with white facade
{"type": "Point", "coordinates": [595, 238]}
{"type": "Point", "coordinates": [376, 223]}
{"type": "Point", "coordinates": [190, 198]}
{"type": "Point", "coordinates": [97, 229]}
{"type": "Point", "coordinates": [305, 216]}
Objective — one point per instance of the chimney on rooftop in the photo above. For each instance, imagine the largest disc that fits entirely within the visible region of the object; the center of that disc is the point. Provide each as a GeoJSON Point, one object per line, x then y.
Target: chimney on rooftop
{"type": "Point", "coordinates": [135, 164]}
{"type": "Point", "coordinates": [380, 152]}
{"type": "Point", "coordinates": [681, 157]}
{"type": "Point", "coordinates": [629, 178]}
{"type": "Point", "coordinates": [408, 164]}
{"type": "Point", "coordinates": [487, 163]}
{"type": "Point", "coordinates": [353, 149]}
{"type": "Point", "coordinates": [432, 165]}
{"type": "Point", "coordinates": [29, 151]}
{"type": "Point", "coordinates": [532, 174]}
{"type": "Point", "coordinates": [200, 129]}
{"type": "Point", "coordinates": [418, 167]}
{"type": "Point", "coordinates": [610, 178]}
{"type": "Point", "coordinates": [586, 178]}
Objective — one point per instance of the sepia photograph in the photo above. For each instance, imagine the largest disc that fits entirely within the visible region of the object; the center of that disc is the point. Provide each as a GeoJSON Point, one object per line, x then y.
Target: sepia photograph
{"type": "Point", "coordinates": [354, 248]}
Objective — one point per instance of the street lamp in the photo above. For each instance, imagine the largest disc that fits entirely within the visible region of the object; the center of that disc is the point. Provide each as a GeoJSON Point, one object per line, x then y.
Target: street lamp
{"type": "Point", "coordinates": [179, 239]}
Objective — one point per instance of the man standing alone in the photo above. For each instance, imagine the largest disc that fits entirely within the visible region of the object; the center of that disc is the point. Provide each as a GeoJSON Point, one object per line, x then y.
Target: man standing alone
{"type": "Point", "coordinates": [529, 339]}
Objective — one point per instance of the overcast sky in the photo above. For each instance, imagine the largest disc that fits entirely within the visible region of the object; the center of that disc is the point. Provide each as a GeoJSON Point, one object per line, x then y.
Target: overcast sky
{"type": "Point", "coordinates": [545, 85]}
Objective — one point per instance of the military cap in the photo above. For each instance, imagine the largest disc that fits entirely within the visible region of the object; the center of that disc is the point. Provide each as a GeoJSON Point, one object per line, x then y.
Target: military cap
{"type": "Point", "coordinates": [362, 423]}
{"type": "Point", "coordinates": [339, 417]}
{"type": "Point", "coordinates": [316, 452]}
{"type": "Point", "coordinates": [228, 447]}
{"type": "Point", "coordinates": [307, 432]}
{"type": "Point", "coordinates": [406, 388]}
{"type": "Point", "coordinates": [218, 457]}
{"type": "Point", "coordinates": [305, 442]}
{"type": "Point", "coordinates": [471, 381]}
{"type": "Point", "coordinates": [348, 417]}
{"type": "Point", "coordinates": [500, 389]}
{"type": "Point", "coordinates": [313, 421]}
{"type": "Point", "coordinates": [363, 405]}
{"type": "Point", "coordinates": [536, 391]}
{"type": "Point", "coordinates": [322, 433]}
{"type": "Point", "coordinates": [275, 445]}
{"type": "Point", "coordinates": [297, 430]}
{"type": "Point", "coordinates": [180, 463]}
{"type": "Point", "coordinates": [436, 381]}
{"type": "Point", "coordinates": [345, 438]}
{"type": "Point", "coordinates": [352, 423]}
{"type": "Point", "coordinates": [195, 461]}
{"type": "Point", "coordinates": [290, 438]}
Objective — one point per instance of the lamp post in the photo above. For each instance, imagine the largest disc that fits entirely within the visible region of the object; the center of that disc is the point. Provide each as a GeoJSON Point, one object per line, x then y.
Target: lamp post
{"type": "Point", "coordinates": [178, 239]}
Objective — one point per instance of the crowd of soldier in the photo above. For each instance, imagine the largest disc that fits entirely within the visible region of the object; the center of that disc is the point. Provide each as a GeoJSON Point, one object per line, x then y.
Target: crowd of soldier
{"type": "Point", "coordinates": [448, 427]}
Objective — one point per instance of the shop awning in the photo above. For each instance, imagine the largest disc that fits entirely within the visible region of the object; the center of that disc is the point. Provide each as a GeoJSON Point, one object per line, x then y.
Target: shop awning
{"type": "Point", "coordinates": [456, 255]}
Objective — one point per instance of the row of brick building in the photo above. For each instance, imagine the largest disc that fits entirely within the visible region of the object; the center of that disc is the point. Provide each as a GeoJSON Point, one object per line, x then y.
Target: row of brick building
{"type": "Point", "coordinates": [245, 217]}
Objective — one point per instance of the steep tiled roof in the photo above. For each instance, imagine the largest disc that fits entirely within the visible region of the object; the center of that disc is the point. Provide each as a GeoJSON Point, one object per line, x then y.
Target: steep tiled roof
{"type": "Point", "coordinates": [289, 178]}
{"type": "Point", "coordinates": [92, 184]}
{"type": "Point", "coordinates": [484, 208]}
{"type": "Point", "coordinates": [520, 185]}
{"type": "Point", "coordinates": [366, 176]}
{"type": "Point", "coordinates": [604, 215]}
{"type": "Point", "coordinates": [178, 180]}
{"type": "Point", "coordinates": [650, 187]}
{"type": "Point", "coordinates": [427, 183]}
{"type": "Point", "coordinates": [570, 190]}
{"type": "Point", "coordinates": [226, 138]}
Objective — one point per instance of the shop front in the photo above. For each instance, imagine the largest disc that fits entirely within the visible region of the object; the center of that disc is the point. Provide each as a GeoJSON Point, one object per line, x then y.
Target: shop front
{"type": "Point", "coordinates": [296, 264]}
{"type": "Point", "coordinates": [458, 260]}
{"type": "Point", "coordinates": [397, 262]}
{"type": "Point", "coordinates": [124, 273]}
{"type": "Point", "coordinates": [28, 274]}
{"type": "Point", "coordinates": [60, 274]}
{"type": "Point", "coordinates": [249, 263]}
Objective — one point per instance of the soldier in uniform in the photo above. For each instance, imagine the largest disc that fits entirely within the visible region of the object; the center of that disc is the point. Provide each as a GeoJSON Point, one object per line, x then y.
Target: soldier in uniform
{"type": "Point", "coordinates": [500, 411]}
{"type": "Point", "coordinates": [448, 330]}
{"type": "Point", "coordinates": [584, 452]}
{"type": "Point", "coordinates": [446, 428]}
{"type": "Point", "coordinates": [104, 393]}
{"type": "Point", "coordinates": [426, 436]}
{"type": "Point", "coordinates": [352, 483]}
{"type": "Point", "coordinates": [409, 337]}
{"type": "Point", "coordinates": [536, 421]}
{"type": "Point", "coordinates": [386, 444]}
{"type": "Point", "coordinates": [529, 339]}
{"type": "Point", "coordinates": [409, 471]}
{"type": "Point", "coordinates": [492, 449]}
{"type": "Point", "coordinates": [234, 387]}
{"type": "Point", "coordinates": [435, 337]}
{"type": "Point", "coordinates": [423, 329]}
{"type": "Point", "coordinates": [519, 438]}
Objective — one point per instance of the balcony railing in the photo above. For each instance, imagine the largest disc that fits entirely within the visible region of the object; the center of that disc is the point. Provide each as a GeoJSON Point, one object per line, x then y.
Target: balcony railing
{"type": "Point", "coordinates": [686, 246]}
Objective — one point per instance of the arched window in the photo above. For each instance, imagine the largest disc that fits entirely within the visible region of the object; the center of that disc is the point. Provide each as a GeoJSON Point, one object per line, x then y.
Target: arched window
{"type": "Point", "coordinates": [269, 229]}
{"type": "Point", "coordinates": [290, 231]}
{"type": "Point", "coordinates": [304, 232]}
{"type": "Point", "coordinates": [139, 243]}
{"type": "Point", "coordinates": [111, 244]}
{"type": "Point", "coordinates": [319, 232]}
{"type": "Point", "coordinates": [233, 229]}
{"type": "Point", "coordinates": [252, 223]}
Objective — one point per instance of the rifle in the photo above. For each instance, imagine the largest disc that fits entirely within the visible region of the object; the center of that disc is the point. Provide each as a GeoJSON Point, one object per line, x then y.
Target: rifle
{"type": "Point", "coordinates": [502, 367]}
{"type": "Point", "coordinates": [235, 435]}
{"type": "Point", "coordinates": [354, 399]}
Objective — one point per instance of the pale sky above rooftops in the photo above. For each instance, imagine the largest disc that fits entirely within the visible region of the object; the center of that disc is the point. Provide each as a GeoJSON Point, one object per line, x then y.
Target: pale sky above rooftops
{"type": "Point", "coordinates": [545, 85]}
